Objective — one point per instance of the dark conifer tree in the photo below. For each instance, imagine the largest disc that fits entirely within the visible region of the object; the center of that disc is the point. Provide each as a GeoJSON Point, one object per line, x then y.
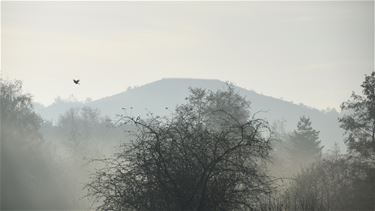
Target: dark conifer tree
{"type": "Point", "coordinates": [304, 143]}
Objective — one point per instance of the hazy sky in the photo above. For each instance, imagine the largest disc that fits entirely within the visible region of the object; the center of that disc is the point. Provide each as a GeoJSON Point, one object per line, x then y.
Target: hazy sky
{"type": "Point", "coordinates": [315, 53]}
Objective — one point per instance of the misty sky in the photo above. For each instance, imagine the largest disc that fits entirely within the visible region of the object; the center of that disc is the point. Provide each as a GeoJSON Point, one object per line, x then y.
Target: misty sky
{"type": "Point", "coordinates": [314, 53]}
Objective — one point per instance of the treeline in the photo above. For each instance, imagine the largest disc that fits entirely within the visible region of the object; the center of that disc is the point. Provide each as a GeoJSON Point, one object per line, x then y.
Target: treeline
{"type": "Point", "coordinates": [336, 181]}
{"type": "Point", "coordinates": [44, 166]}
{"type": "Point", "coordinates": [211, 153]}
{"type": "Point", "coordinates": [84, 130]}
{"type": "Point", "coordinates": [214, 154]}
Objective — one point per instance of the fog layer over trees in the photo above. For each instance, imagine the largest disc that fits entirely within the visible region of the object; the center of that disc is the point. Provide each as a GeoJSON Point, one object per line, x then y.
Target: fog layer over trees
{"type": "Point", "coordinates": [212, 152]}
{"type": "Point", "coordinates": [45, 166]}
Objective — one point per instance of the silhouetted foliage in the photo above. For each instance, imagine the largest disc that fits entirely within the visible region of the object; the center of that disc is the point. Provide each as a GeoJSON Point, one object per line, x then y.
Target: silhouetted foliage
{"type": "Point", "coordinates": [340, 182]}
{"type": "Point", "coordinates": [359, 119]}
{"type": "Point", "coordinates": [359, 125]}
{"type": "Point", "coordinates": [304, 145]}
{"type": "Point", "coordinates": [28, 175]}
{"type": "Point", "coordinates": [81, 128]}
{"type": "Point", "coordinates": [207, 156]}
{"type": "Point", "coordinates": [19, 131]}
{"type": "Point", "coordinates": [17, 112]}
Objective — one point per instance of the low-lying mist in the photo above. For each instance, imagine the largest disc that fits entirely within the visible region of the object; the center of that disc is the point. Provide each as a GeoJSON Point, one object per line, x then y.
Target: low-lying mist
{"type": "Point", "coordinates": [49, 166]}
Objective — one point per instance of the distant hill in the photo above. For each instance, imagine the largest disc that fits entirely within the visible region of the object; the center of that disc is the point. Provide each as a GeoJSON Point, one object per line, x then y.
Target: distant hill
{"type": "Point", "coordinates": [155, 96]}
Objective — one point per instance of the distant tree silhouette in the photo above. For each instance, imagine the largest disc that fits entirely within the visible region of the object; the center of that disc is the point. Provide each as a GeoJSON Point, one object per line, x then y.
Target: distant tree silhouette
{"type": "Point", "coordinates": [79, 126]}
{"type": "Point", "coordinates": [17, 112]}
{"type": "Point", "coordinates": [304, 144]}
{"type": "Point", "coordinates": [27, 178]}
{"type": "Point", "coordinates": [19, 132]}
{"type": "Point", "coordinates": [207, 156]}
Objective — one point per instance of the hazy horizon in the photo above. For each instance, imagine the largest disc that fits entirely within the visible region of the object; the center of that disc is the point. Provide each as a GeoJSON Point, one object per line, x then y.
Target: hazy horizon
{"type": "Point", "coordinates": [73, 98]}
{"type": "Point", "coordinates": [313, 53]}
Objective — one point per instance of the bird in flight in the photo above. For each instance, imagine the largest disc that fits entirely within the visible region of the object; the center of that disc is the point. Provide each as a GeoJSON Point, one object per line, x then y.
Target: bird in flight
{"type": "Point", "coordinates": [76, 81]}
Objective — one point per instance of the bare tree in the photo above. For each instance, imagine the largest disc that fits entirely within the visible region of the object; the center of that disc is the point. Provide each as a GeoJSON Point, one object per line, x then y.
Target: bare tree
{"type": "Point", "coordinates": [207, 156]}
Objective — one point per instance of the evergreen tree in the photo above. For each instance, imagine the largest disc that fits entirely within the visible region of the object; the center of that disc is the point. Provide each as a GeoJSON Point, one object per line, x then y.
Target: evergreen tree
{"type": "Point", "coordinates": [304, 143]}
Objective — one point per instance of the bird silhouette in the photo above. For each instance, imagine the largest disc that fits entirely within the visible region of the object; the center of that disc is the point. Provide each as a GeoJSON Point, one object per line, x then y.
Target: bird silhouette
{"type": "Point", "coordinates": [76, 81]}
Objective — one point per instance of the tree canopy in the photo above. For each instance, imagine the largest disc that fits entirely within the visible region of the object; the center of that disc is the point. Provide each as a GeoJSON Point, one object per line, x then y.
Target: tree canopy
{"type": "Point", "coordinates": [27, 177]}
{"type": "Point", "coordinates": [359, 119]}
{"type": "Point", "coordinates": [207, 156]}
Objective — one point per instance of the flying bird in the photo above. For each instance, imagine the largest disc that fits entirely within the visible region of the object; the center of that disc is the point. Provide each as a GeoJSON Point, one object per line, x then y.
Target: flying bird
{"type": "Point", "coordinates": [76, 81]}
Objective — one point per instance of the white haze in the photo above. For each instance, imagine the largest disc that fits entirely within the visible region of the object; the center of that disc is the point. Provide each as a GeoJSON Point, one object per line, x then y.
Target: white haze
{"type": "Point", "coordinates": [315, 53]}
